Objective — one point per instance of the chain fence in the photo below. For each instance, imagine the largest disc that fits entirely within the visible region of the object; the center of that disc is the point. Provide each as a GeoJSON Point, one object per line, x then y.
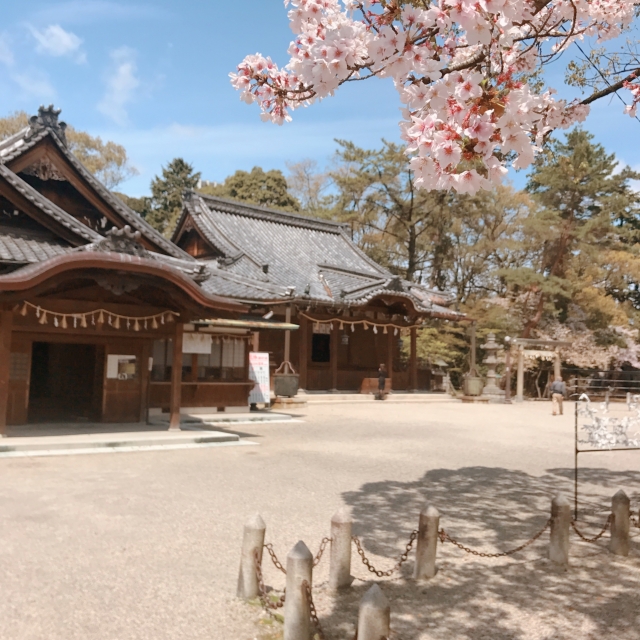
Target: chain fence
{"type": "Point", "coordinates": [267, 604]}
{"type": "Point", "coordinates": [312, 609]}
{"type": "Point", "coordinates": [271, 604]}
{"type": "Point", "coordinates": [607, 524]}
{"type": "Point", "coordinates": [274, 558]}
{"type": "Point", "coordinates": [323, 546]}
{"type": "Point", "coordinates": [445, 537]}
{"type": "Point", "coordinates": [385, 574]}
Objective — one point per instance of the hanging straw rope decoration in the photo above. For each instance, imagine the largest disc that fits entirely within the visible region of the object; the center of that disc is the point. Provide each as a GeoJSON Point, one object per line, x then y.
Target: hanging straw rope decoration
{"type": "Point", "coordinates": [97, 317]}
{"type": "Point", "coordinates": [365, 323]}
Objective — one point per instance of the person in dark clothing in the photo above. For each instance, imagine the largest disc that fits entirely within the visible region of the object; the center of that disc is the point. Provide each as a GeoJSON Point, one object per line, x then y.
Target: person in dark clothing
{"type": "Point", "coordinates": [558, 393]}
{"type": "Point", "coordinates": [382, 381]}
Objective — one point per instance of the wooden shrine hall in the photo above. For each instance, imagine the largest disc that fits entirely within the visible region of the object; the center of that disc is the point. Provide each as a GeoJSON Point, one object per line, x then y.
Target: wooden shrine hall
{"type": "Point", "coordinates": [352, 312]}
{"type": "Point", "coordinates": [96, 306]}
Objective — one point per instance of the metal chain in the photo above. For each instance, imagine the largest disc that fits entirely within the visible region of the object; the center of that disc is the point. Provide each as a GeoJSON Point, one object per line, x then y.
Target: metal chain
{"type": "Point", "coordinates": [323, 546]}
{"type": "Point", "coordinates": [401, 560]}
{"type": "Point", "coordinates": [596, 538]}
{"type": "Point", "coordinates": [445, 537]}
{"type": "Point", "coordinates": [312, 609]}
{"type": "Point", "coordinates": [268, 605]}
{"type": "Point", "coordinates": [274, 558]}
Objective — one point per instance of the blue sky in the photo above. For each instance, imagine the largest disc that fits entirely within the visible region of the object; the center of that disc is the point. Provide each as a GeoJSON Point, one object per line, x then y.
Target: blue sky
{"type": "Point", "coordinates": [154, 77]}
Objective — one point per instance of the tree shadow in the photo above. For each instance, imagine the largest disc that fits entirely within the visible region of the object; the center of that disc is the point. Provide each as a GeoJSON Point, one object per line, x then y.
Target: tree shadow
{"type": "Point", "coordinates": [520, 597]}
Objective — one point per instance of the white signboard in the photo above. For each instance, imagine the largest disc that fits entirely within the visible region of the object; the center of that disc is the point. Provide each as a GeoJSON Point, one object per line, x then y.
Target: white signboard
{"type": "Point", "coordinates": [196, 343]}
{"type": "Point", "coordinates": [121, 367]}
{"type": "Point", "coordinates": [323, 328]}
{"type": "Point", "coordinates": [259, 373]}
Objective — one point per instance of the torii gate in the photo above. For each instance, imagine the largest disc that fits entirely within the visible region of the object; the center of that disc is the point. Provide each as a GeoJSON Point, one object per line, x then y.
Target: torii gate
{"type": "Point", "coordinates": [551, 348]}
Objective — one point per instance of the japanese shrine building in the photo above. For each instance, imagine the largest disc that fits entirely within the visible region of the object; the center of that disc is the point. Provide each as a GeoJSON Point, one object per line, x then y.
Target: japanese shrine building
{"type": "Point", "coordinates": [351, 311]}
{"type": "Point", "coordinates": [95, 305]}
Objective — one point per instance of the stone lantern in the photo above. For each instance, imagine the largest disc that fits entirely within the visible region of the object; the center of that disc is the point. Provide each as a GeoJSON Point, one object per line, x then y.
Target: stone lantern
{"type": "Point", "coordinates": [491, 390]}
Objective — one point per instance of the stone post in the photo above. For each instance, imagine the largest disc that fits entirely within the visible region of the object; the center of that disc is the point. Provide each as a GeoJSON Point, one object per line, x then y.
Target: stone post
{"type": "Point", "coordinates": [520, 376]}
{"type": "Point", "coordinates": [427, 544]}
{"type": "Point", "coordinates": [620, 524]}
{"type": "Point", "coordinates": [297, 621]}
{"type": "Point", "coordinates": [374, 617]}
{"type": "Point", "coordinates": [560, 525]}
{"type": "Point", "coordinates": [252, 541]}
{"type": "Point", "coordinates": [340, 559]}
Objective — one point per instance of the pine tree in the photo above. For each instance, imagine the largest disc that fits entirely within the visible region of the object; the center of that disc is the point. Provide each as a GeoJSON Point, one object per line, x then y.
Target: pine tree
{"type": "Point", "coordinates": [578, 236]}
{"type": "Point", "coordinates": [166, 195]}
{"type": "Point", "coordinates": [263, 188]}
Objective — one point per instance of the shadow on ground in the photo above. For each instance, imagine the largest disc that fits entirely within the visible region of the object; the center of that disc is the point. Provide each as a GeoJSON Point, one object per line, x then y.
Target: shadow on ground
{"type": "Point", "coordinates": [522, 597]}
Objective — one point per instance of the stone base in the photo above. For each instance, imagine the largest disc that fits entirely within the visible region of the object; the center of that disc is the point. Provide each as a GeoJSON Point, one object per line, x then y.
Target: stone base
{"type": "Point", "coordinates": [477, 399]}
{"type": "Point", "coordinates": [289, 404]}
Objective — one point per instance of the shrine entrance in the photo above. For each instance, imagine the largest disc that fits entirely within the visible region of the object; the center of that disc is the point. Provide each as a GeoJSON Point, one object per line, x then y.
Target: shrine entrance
{"type": "Point", "coordinates": [66, 382]}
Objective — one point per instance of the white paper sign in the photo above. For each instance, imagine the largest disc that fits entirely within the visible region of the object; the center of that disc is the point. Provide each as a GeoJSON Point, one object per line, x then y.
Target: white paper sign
{"type": "Point", "coordinates": [121, 367]}
{"type": "Point", "coordinates": [259, 373]}
{"type": "Point", "coordinates": [196, 343]}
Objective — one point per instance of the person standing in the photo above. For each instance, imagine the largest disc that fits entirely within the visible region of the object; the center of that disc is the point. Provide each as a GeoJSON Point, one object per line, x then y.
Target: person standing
{"type": "Point", "coordinates": [382, 381]}
{"type": "Point", "coordinates": [558, 393]}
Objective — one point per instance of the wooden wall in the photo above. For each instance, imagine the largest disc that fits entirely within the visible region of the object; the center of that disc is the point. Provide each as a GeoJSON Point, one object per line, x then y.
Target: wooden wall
{"type": "Point", "coordinates": [202, 394]}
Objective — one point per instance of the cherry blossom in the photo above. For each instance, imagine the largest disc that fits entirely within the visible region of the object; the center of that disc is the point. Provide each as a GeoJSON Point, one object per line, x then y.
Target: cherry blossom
{"type": "Point", "coordinates": [460, 69]}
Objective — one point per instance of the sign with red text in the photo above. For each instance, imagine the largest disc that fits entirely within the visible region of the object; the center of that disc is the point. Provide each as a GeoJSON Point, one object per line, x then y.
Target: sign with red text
{"type": "Point", "coordinates": [259, 373]}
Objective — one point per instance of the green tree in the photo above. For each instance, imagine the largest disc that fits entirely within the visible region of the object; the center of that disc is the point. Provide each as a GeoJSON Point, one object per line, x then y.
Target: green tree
{"type": "Point", "coordinates": [166, 195]}
{"type": "Point", "coordinates": [397, 225]}
{"type": "Point", "coordinates": [264, 188]}
{"type": "Point", "coordinates": [580, 236]}
{"type": "Point", "coordinates": [141, 206]}
{"type": "Point", "coordinates": [108, 161]}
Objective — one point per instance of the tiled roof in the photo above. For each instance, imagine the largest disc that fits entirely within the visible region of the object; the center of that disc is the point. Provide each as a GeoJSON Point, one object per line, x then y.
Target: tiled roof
{"type": "Point", "coordinates": [18, 144]}
{"type": "Point", "coordinates": [83, 232]}
{"type": "Point", "coordinates": [23, 247]}
{"type": "Point", "coordinates": [316, 257]}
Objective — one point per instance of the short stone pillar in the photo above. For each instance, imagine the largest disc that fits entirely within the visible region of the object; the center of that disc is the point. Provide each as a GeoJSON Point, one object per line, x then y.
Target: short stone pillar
{"type": "Point", "coordinates": [252, 543]}
{"type": "Point", "coordinates": [560, 526]}
{"type": "Point", "coordinates": [374, 617]}
{"type": "Point", "coordinates": [297, 613]}
{"type": "Point", "coordinates": [620, 524]}
{"type": "Point", "coordinates": [340, 559]}
{"type": "Point", "coordinates": [427, 544]}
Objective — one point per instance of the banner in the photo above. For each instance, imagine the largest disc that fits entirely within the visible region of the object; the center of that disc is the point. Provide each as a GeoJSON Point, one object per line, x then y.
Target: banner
{"type": "Point", "coordinates": [259, 373]}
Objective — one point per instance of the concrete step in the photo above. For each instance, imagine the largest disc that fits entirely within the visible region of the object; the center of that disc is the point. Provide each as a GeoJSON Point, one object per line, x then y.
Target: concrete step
{"type": "Point", "coordinates": [114, 441]}
{"type": "Point", "coordinates": [334, 398]}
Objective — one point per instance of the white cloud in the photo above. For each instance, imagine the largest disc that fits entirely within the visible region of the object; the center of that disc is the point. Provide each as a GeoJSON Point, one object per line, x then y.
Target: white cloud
{"type": "Point", "coordinates": [55, 41]}
{"type": "Point", "coordinates": [219, 150]}
{"type": "Point", "coordinates": [34, 85]}
{"type": "Point", "coordinates": [92, 11]}
{"type": "Point", "coordinates": [6, 54]}
{"type": "Point", "coordinates": [122, 83]}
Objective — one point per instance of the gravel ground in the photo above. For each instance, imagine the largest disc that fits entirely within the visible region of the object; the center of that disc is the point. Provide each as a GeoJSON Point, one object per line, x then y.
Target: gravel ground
{"type": "Point", "coordinates": [146, 545]}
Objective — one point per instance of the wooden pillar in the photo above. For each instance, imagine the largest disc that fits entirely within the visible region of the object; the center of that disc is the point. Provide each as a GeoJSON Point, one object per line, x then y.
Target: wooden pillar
{"type": "Point", "coordinates": [194, 368]}
{"type": "Point", "coordinates": [6, 322]}
{"type": "Point", "coordinates": [145, 375]}
{"type": "Point", "coordinates": [176, 378]}
{"type": "Point", "coordinates": [255, 341]}
{"type": "Point", "coordinates": [287, 337]}
{"type": "Point", "coordinates": [413, 360]}
{"type": "Point", "coordinates": [520, 379]}
{"type": "Point", "coordinates": [304, 351]}
{"type": "Point", "coordinates": [335, 341]}
{"type": "Point", "coordinates": [390, 347]}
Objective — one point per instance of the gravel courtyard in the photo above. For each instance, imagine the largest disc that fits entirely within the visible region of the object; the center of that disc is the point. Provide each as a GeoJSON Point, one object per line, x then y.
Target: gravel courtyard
{"type": "Point", "coordinates": [139, 546]}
